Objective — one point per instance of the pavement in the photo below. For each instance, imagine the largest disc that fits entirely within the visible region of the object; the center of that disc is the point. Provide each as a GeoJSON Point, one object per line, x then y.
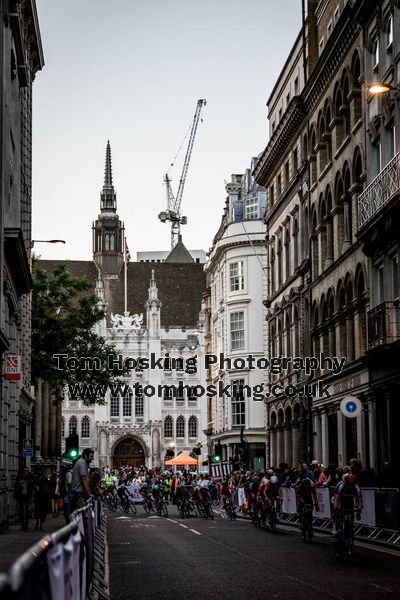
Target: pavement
{"type": "Point", "coordinates": [174, 558]}
{"type": "Point", "coordinates": [15, 542]}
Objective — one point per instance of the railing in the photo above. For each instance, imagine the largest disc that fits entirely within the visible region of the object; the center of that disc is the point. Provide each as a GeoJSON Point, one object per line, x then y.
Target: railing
{"type": "Point", "coordinates": [379, 192]}
{"type": "Point", "coordinates": [383, 324]}
{"type": "Point", "coordinates": [76, 551]}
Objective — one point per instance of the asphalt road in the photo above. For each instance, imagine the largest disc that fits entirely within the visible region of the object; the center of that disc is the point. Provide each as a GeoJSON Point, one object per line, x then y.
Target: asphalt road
{"type": "Point", "coordinates": [153, 557]}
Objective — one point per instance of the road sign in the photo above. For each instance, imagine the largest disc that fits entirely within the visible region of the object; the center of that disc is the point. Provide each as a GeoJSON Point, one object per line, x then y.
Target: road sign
{"type": "Point", "coordinates": [27, 448]}
{"type": "Point", "coordinates": [12, 367]}
{"type": "Point", "coordinates": [350, 407]}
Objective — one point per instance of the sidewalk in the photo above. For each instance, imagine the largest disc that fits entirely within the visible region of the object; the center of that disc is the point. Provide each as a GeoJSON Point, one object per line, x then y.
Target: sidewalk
{"type": "Point", "coordinates": [15, 542]}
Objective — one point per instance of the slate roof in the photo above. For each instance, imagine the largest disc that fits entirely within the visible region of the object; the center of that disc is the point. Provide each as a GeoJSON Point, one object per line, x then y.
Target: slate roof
{"type": "Point", "coordinates": [179, 254]}
{"type": "Point", "coordinates": [180, 288]}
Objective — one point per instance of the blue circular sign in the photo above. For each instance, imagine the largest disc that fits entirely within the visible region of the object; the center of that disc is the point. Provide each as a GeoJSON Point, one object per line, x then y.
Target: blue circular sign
{"type": "Point", "coordinates": [350, 407]}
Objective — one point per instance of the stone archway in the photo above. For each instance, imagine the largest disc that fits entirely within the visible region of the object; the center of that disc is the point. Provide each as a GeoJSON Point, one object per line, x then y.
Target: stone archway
{"type": "Point", "coordinates": [128, 452]}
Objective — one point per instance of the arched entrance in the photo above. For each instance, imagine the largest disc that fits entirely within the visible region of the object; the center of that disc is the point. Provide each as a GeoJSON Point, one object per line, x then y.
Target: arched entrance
{"type": "Point", "coordinates": [128, 452]}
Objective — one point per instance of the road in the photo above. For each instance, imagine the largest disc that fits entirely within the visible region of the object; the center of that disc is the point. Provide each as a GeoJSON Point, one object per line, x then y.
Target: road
{"type": "Point", "coordinates": [153, 557]}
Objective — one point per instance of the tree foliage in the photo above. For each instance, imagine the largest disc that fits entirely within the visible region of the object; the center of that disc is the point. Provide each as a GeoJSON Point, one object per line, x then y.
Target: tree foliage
{"type": "Point", "coordinates": [64, 311]}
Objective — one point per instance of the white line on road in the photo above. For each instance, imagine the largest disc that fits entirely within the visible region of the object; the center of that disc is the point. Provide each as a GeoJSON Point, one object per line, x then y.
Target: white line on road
{"type": "Point", "coordinates": [194, 531]}
{"type": "Point", "coordinates": [182, 525]}
{"type": "Point", "coordinates": [172, 520]}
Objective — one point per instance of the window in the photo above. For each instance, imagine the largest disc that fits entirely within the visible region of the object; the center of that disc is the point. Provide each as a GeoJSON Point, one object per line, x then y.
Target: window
{"type": "Point", "coordinates": [62, 428]}
{"type": "Point", "coordinates": [271, 196]}
{"type": "Point", "coordinates": [395, 276]}
{"type": "Point", "coordinates": [127, 405]}
{"type": "Point", "coordinates": [236, 276]}
{"type": "Point", "coordinates": [321, 45]}
{"type": "Point", "coordinates": [73, 425]}
{"type": "Point", "coordinates": [287, 174]}
{"type": "Point", "coordinates": [273, 126]}
{"type": "Point", "coordinates": [251, 208]}
{"type": "Point", "coordinates": [109, 240]}
{"type": "Point", "coordinates": [168, 393]}
{"type": "Point", "coordinates": [279, 185]}
{"type": "Point", "coordinates": [336, 15]}
{"type": "Point", "coordinates": [238, 404]}
{"type": "Point", "coordinates": [375, 54]}
{"type": "Point", "coordinates": [389, 32]}
{"type": "Point", "coordinates": [329, 29]}
{"type": "Point", "coordinates": [287, 100]}
{"type": "Point", "coordinates": [192, 427]}
{"type": "Point", "coordinates": [377, 152]}
{"type": "Point", "coordinates": [139, 404]}
{"type": "Point", "coordinates": [168, 427]}
{"type": "Point", "coordinates": [237, 330]}
{"type": "Point", "coordinates": [85, 427]}
{"type": "Point", "coordinates": [296, 86]}
{"type": "Point", "coordinates": [392, 141]}
{"type": "Point", "coordinates": [380, 286]}
{"type": "Point", "coordinates": [191, 396]}
{"type": "Point", "coordinates": [221, 279]}
{"type": "Point", "coordinates": [114, 406]}
{"type": "Point", "coordinates": [280, 113]}
{"type": "Point", "coordinates": [180, 427]}
{"type": "Point", "coordinates": [295, 160]}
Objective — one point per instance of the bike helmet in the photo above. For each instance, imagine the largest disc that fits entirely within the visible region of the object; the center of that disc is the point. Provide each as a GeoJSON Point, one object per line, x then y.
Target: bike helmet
{"type": "Point", "coordinates": [274, 480]}
{"type": "Point", "coordinates": [351, 479]}
{"type": "Point", "coordinates": [270, 472]}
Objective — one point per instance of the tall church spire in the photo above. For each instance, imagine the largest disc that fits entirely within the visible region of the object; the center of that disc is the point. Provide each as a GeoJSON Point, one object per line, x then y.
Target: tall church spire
{"type": "Point", "coordinates": [108, 197]}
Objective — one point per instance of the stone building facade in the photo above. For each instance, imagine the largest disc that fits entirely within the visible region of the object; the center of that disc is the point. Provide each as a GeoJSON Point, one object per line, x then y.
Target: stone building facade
{"type": "Point", "coordinates": [164, 318]}
{"type": "Point", "coordinates": [21, 58]}
{"type": "Point", "coordinates": [315, 168]}
{"type": "Point", "coordinates": [236, 321]}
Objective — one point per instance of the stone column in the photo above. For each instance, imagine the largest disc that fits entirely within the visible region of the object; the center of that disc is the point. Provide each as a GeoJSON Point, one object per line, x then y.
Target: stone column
{"type": "Point", "coordinates": [372, 433]}
{"type": "Point", "coordinates": [45, 420]}
{"type": "Point", "coordinates": [361, 438]}
{"type": "Point", "coordinates": [324, 438]}
{"type": "Point", "coordinates": [287, 441]}
{"type": "Point", "coordinates": [295, 445]}
{"type": "Point", "coordinates": [156, 458]}
{"type": "Point", "coordinates": [38, 421]}
{"type": "Point", "coordinates": [52, 426]}
{"type": "Point", "coordinates": [280, 445]}
{"type": "Point", "coordinates": [329, 242]}
{"type": "Point", "coordinates": [58, 429]}
{"type": "Point", "coordinates": [317, 438]}
{"type": "Point", "coordinates": [272, 447]}
{"type": "Point", "coordinates": [341, 429]}
{"type": "Point", "coordinates": [349, 333]}
{"type": "Point", "coordinates": [347, 224]}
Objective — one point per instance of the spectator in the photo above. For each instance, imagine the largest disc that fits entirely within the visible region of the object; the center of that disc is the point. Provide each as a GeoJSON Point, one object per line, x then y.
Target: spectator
{"type": "Point", "coordinates": [80, 483]}
{"type": "Point", "coordinates": [55, 492]}
{"type": "Point", "coordinates": [41, 499]}
{"type": "Point", "coordinates": [23, 490]}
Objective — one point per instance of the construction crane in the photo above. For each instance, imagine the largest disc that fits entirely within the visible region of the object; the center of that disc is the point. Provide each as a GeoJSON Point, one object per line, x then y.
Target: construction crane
{"type": "Point", "coordinates": [173, 212]}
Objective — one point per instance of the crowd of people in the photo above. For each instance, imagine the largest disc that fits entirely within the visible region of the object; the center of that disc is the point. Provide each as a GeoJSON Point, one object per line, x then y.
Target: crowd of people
{"type": "Point", "coordinates": [69, 489]}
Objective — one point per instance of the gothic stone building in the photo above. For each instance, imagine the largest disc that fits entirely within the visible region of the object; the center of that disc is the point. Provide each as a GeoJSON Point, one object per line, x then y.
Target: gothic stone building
{"type": "Point", "coordinates": [135, 429]}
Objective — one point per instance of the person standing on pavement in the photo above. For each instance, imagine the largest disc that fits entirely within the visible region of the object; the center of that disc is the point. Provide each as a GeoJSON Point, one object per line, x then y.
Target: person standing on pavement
{"type": "Point", "coordinates": [40, 499]}
{"type": "Point", "coordinates": [23, 490]}
{"type": "Point", "coordinates": [80, 483]}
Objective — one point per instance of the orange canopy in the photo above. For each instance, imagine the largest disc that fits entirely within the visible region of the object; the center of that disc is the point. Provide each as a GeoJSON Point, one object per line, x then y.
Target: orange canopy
{"type": "Point", "coordinates": [182, 459]}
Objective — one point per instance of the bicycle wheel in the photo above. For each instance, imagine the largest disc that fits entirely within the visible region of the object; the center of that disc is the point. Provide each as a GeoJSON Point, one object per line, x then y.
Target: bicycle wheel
{"type": "Point", "coordinates": [132, 507]}
{"type": "Point", "coordinates": [210, 511]}
{"type": "Point", "coordinates": [164, 510]}
{"type": "Point", "coordinates": [146, 507]}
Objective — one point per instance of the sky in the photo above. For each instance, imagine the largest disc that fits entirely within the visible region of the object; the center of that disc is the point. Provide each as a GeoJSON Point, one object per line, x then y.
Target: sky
{"type": "Point", "coordinates": [132, 71]}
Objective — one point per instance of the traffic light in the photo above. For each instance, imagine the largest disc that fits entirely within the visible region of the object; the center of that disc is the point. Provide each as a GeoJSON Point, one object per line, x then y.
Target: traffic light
{"type": "Point", "coordinates": [170, 453]}
{"type": "Point", "coordinates": [196, 451]}
{"type": "Point", "coordinates": [72, 446]}
{"type": "Point", "coordinates": [217, 453]}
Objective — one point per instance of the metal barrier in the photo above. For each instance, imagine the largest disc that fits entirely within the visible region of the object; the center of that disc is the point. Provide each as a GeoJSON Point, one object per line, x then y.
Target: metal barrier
{"type": "Point", "coordinates": [73, 557]}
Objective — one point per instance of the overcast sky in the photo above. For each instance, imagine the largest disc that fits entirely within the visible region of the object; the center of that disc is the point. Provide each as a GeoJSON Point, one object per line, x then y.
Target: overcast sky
{"type": "Point", "coordinates": [132, 71]}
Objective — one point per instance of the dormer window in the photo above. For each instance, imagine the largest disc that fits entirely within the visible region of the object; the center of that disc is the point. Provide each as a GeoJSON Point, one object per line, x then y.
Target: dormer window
{"type": "Point", "coordinates": [375, 54]}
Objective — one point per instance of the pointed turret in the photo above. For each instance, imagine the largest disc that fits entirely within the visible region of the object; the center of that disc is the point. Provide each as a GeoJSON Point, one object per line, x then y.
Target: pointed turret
{"type": "Point", "coordinates": [108, 197]}
{"type": "Point", "coordinates": [153, 306]}
{"type": "Point", "coordinates": [108, 231]}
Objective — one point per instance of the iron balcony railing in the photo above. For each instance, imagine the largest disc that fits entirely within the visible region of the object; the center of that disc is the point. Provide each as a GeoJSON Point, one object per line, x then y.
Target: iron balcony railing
{"type": "Point", "coordinates": [383, 324]}
{"type": "Point", "coordinates": [379, 192]}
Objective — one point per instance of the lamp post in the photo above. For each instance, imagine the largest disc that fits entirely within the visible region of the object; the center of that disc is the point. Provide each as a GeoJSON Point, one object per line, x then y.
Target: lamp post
{"type": "Point", "coordinates": [381, 88]}
{"type": "Point", "coordinates": [33, 242]}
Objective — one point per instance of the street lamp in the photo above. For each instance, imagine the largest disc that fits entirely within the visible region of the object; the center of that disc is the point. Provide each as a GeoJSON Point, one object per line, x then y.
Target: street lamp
{"type": "Point", "coordinates": [33, 242]}
{"type": "Point", "coordinates": [381, 88]}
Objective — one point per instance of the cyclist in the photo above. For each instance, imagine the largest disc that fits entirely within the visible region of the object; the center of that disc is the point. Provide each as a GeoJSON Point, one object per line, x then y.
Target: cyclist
{"type": "Point", "coordinates": [225, 490]}
{"type": "Point", "coordinates": [123, 493]}
{"type": "Point", "coordinates": [272, 492]}
{"type": "Point", "coordinates": [346, 498]}
{"type": "Point", "coordinates": [305, 493]}
{"type": "Point", "coordinates": [156, 491]}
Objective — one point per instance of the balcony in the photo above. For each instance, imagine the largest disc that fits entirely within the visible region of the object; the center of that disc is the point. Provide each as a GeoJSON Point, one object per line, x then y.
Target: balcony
{"type": "Point", "coordinates": [383, 324]}
{"type": "Point", "coordinates": [379, 192]}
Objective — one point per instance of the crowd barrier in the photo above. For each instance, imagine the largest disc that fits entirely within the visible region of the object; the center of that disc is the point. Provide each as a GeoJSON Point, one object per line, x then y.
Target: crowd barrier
{"type": "Point", "coordinates": [66, 564]}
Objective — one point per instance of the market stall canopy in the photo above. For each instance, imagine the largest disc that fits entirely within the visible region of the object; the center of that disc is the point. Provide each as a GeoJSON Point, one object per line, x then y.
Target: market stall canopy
{"type": "Point", "coordinates": [182, 459]}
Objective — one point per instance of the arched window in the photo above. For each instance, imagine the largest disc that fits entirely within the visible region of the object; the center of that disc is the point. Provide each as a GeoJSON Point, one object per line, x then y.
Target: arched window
{"type": "Point", "coordinates": [73, 425]}
{"type": "Point", "coordinates": [180, 427]}
{"type": "Point", "coordinates": [287, 253]}
{"type": "Point", "coordinates": [192, 427]}
{"type": "Point", "coordinates": [85, 427]}
{"type": "Point", "coordinates": [62, 428]}
{"type": "Point", "coordinates": [272, 271]}
{"type": "Point", "coordinates": [168, 432]}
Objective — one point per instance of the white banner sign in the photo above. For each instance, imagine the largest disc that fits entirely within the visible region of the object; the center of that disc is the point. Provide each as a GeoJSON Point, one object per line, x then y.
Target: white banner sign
{"type": "Point", "coordinates": [368, 511]}
{"type": "Point", "coordinates": [289, 500]}
{"type": "Point", "coordinates": [324, 503]}
{"type": "Point", "coordinates": [134, 490]}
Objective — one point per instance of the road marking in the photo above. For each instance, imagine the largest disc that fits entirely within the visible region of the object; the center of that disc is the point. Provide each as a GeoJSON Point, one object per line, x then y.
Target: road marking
{"type": "Point", "coordinates": [172, 520]}
{"type": "Point", "coordinates": [182, 525]}
{"type": "Point", "coordinates": [194, 531]}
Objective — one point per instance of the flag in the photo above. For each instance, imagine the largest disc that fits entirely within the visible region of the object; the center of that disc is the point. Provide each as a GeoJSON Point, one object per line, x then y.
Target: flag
{"type": "Point", "coordinates": [127, 254]}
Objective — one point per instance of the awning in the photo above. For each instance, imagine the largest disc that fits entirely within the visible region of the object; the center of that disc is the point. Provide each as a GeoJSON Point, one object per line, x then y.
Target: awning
{"type": "Point", "coordinates": [182, 459]}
